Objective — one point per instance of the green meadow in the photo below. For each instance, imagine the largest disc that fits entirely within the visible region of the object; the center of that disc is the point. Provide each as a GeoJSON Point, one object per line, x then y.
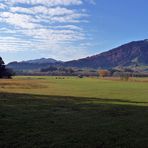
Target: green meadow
{"type": "Point", "coordinates": [70, 112]}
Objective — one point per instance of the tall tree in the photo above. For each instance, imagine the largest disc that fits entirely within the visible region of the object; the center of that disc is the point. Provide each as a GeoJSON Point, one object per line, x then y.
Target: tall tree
{"type": "Point", "coordinates": [2, 67]}
{"type": "Point", "coordinates": [4, 72]}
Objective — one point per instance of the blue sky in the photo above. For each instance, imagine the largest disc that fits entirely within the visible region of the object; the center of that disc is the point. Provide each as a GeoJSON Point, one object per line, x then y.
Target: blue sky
{"type": "Point", "coordinates": [68, 29]}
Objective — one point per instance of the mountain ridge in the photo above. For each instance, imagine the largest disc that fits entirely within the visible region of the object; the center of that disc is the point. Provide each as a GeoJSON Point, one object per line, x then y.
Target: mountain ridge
{"type": "Point", "coordinates": [135, 52]}
{"type": "Point", "coordinates": [129, 54]}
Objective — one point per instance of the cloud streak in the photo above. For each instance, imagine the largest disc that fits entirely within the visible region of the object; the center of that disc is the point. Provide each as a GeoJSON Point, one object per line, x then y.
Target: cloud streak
{"type": "Point", "coordinates": [46, 2]}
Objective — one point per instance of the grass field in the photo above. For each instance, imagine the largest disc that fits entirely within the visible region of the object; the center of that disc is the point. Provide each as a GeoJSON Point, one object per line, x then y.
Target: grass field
{"type": "Point", "coordinates": [72, 112]}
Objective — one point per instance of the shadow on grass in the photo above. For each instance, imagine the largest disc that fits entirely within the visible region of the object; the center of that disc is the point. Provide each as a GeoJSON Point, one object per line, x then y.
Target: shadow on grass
{"type": "Point", "coordinates": [4, 96]}
{"type": "Point", "coordinates": [71, 122]}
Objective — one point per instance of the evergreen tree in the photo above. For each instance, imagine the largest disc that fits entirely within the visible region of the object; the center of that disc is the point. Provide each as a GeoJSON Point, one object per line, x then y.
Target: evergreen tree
{"type": "Point", "coordinates": [4, 72]}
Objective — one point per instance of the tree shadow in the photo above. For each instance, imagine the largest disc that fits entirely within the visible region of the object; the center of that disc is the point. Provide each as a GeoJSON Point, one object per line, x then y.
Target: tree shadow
{"type": "Point", "coordinates": [59, 121]}
{"type": "Point", "coordinates": [69, 98]}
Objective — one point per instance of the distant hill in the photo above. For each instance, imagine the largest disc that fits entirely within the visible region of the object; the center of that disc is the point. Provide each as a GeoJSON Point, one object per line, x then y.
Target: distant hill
{"type": "Point", "coordinates": [32, 64]}
{"type": "Point", "coordinates": [130, 54]}
{"type": "Point", "coordinates": [41, 61]}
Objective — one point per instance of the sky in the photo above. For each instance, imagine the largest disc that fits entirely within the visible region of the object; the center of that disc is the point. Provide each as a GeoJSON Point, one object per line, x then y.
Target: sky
{"type": "Point", "coordinates": [68, 29]}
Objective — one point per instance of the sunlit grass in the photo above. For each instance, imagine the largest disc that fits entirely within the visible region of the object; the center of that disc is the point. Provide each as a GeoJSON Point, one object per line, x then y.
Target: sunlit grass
{"type": "Point", "coordinates": [134, 90]}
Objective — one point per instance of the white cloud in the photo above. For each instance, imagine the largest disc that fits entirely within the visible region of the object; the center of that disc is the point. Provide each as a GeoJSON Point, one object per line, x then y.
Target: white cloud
{"type": "Point", "coordinates": [2, 6]}
{"type": "Point", "coordinates": [46, 2]}
{"type": "Point", "coordinates": [18, 20]}
{"type": "Point", "coordinates": [31, 17]}
{"type": "Point", "coordinates": [71, 27]}
{"type": "Point", "coordinates": [12, 44]}
{"type": "Point", "coordinates": [43, 10]}
{"type": "Point", "coordinates": [57, 51]}
{"type": "Point", "coordinates": [44, 25]}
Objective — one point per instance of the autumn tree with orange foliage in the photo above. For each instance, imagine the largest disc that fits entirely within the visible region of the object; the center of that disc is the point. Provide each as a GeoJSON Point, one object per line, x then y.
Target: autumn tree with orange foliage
{"type": "Point", "coordinates": [103, 73]}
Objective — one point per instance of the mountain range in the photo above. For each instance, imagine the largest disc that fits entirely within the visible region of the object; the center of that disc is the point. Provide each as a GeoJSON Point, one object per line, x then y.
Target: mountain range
{"type": "Point", "coordinates": [33, 64]}
{"type": "Point", "coordinates": [134, 53]}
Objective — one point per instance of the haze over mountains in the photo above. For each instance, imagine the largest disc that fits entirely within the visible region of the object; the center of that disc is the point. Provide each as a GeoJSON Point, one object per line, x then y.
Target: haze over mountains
{"type": "Point", "coordinates": [130, 54]}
